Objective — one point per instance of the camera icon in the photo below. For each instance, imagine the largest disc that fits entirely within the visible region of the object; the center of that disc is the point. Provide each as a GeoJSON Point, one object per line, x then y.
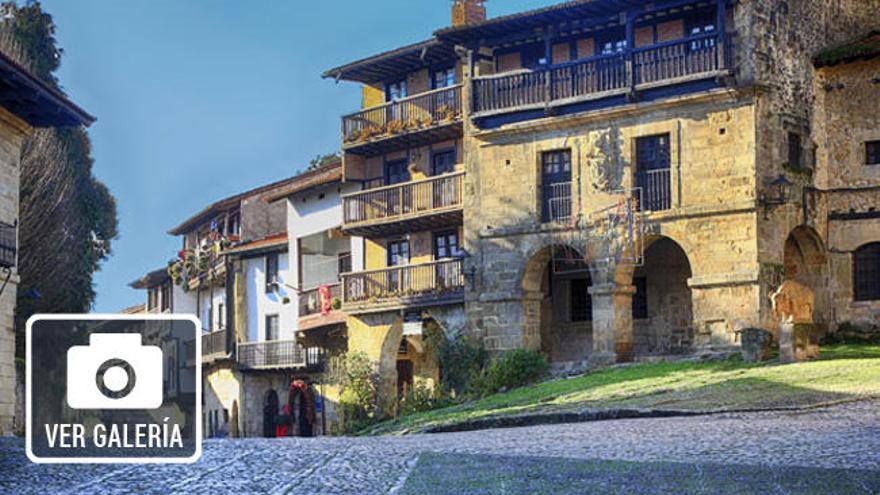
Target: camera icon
{"type": "Point", "coordinates": [114, 372]}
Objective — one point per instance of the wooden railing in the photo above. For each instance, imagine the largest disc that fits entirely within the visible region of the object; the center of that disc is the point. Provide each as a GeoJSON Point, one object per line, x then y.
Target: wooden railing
{"type": "Point", "coordinates": [310, 300]}
{"type": "Point", "coordinates": [401, 200]}
{"type": "Point", "coordinates": [406, 115]}
{"type": "Point", "coordinates": [436, 277]}
{"type": "Point", "coordinates": [656, 189]}
{"type": "Point", "coordinates": [278, 354]}
{"type": "Point", "coordinates": [214, 344]}
{"type": "Point", "coordinates": [594, 76]}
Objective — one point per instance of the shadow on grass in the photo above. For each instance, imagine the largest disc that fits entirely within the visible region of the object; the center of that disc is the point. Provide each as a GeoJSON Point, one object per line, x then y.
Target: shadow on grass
{"type": "Point", "coordinates": [487, 474]}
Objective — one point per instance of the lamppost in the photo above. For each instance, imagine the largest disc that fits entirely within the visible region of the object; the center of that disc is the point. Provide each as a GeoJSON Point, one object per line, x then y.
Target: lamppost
{"type": "Point", "coordinates": [780, 190]}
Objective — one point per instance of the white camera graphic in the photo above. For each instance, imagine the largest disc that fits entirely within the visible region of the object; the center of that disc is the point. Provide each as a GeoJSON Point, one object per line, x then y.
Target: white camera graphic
{"type": "Point", "coordinates": [114, 372]}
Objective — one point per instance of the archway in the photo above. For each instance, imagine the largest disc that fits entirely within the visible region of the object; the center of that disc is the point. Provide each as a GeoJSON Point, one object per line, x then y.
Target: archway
{"type": "Point", "coordinates": [301, 403]}
{"type": "Point", "coordinates": [557, 308]}
{"type": "Point", "coordinates": [662, 307]}
{"type": "Point", "coordinates": [418, 359]}
{"type": "Point", "coordinates": [270, 413]}
{"type": "Point", "coordinates": [805, 261]}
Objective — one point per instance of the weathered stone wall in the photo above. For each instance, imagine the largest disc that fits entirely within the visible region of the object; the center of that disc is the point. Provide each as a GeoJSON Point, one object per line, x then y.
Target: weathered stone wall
{"type": "Point", "coordinates": [712, 217]}
{"type": "Point", "coordinates": [12, 133]}
{"type": "Point", "coordinates": [221, 391]}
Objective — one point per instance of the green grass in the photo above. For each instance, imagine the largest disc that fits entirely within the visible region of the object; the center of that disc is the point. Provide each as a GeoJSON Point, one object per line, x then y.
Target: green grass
{"type": "Point", "coordinates": [843, 372]}
{"type": "Point", "coordinates": [461, 474]}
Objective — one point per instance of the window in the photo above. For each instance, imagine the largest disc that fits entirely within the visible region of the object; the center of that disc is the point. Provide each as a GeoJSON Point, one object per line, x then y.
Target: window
{"type": "Point", "coordinates": [443, 78]}
{"type": "Point", "coordinates": [152, 298]}
{"type": "Point", "coordinates": [396, 171]}
{"type": "Point", "coordinates": [396, 90]}
{"type": "Point", "coordinates": [232, 224]}
{"type": "Point", "coordinates": [446, 245]}
{"type": "Point", "coordinates": [640, 298]}
{"type": "Point", "coordinates": [872, 153]}
{"type": "Point", "coordinates": [398, 252]}
{"type": "Point", "coordinates": [866, 272]}
{"type": "Point", "coordinates": [534, 56]}
{"type": "Point", "coordinates": [652, 172]}
{"type": "Point", "coordinates": [611, 43]}
{"type": "Point", "coordinates": [271, 271]}
{"type": "Point", "coordinates": [581, 307]}
{"type": "Point", "coordinates": [443, 162]}
{"type": "Point", "coordinates": [272, 327]}
{"type": "Point", "coordinates": [166, 296]}
{"type": "Point", "coordinates": [794, 150]}
{"type": "Point", "coordinates": [701, 26]}
{"type": "Point", "coordinates": [343, 262]}
{"type": "Point", "coordinates": [404, 346]}
{"type": "Point", "coordinates": [556, 185]}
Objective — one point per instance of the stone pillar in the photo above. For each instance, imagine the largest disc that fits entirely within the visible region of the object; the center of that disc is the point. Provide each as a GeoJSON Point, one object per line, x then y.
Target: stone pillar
{"type": "Point", "coordinates": [612, 323]}
{"type": "Point", "coordinates": [531, 323]}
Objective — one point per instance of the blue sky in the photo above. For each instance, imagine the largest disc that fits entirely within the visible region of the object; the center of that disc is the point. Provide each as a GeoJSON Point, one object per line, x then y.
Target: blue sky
{"type": "Point", "coordinates": [197, 100]}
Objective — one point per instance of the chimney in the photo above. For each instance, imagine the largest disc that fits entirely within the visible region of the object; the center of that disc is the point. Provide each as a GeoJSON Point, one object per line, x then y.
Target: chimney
{"type": "Point", "coordinates": [465, 12]}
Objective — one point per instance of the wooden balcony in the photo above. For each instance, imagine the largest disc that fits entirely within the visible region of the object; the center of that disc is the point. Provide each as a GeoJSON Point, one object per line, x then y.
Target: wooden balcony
{"type": "Point", "coordinates": [414, 121]}
{"type": "Point", "coordinates": [310, 313]}
{"type": "Point", "coordinates": [279, 354]}
{"type": "Point", "coordinates": [411, 206]}
{"type": "Point", "coordinates": [663, 64]}
{"type": "Point", "coordinates": [214, 346]}
{"type": "Point", "coordinates": [427, 284]}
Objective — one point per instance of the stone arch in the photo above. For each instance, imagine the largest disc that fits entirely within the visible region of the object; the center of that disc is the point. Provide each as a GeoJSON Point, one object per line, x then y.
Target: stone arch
{"type": "Point", "coordinates": [662, 308]}
{"type": "Point", "coordinates": [556, 304]}
{"type": "Point", "coordinates": [805, 260]}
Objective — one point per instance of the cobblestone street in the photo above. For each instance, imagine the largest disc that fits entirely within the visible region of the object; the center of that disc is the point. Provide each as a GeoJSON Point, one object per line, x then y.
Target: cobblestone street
{"type": "Point", "coordinates": [842, 437]}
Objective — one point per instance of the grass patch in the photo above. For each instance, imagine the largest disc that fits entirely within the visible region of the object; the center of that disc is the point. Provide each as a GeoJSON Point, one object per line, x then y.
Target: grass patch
{"type": "Point", "coordinates": [487, 474]}
{"type": "Point", "coordinates": [843, 372]}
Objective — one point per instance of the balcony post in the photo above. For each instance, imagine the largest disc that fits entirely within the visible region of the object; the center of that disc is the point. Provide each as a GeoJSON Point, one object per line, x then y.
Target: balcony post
{"type": "Point", "coordinates": [721, 45]}
{"type": "Point", "coordinates": [630, 46]}
{"type": "Point", "coordinates": [549, 32]}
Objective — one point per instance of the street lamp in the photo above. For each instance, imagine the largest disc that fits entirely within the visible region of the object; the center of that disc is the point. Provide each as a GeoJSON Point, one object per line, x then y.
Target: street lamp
{"type": "Point", "coordinates": [780, 189]}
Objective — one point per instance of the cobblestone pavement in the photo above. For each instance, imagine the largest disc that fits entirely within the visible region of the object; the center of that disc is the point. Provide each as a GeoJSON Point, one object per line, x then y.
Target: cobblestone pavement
{"type": "Point", "coordinates": [846, 436]}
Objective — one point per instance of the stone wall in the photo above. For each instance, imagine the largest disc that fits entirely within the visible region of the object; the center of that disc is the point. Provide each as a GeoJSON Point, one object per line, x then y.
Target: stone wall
{"type": "Point", "coordinates": [712, 217]}
{"type": "Point", "coordinates": [12, 133]}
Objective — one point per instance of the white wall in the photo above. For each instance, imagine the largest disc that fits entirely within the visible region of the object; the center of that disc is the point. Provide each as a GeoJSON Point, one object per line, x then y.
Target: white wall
{"type": "Point", "coordinates": [261, 303]}
{"type": "Point", "coordinates": [309, 213]}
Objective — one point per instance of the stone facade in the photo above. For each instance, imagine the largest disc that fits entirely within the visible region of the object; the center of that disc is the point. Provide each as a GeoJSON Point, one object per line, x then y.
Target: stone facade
{"type": "Point", "coordinates": [12, 132]}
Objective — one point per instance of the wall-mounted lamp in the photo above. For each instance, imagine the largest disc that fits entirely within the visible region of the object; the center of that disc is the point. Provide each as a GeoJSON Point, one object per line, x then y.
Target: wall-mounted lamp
{"type": "Point", "coordinates": [780, 190]}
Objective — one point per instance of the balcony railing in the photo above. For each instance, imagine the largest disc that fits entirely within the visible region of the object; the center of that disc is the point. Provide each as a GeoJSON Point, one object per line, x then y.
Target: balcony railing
{"type": "Point", "coordinates": [214, 344]}
{"type": "Point", "coordinates": [408, 199]}
{"type": "Point", "coordinates": [599, 76]}
{"type": "Point", "coordinates": [278, 354]}
{"type": "Point", "coordinates": [656, 187]}
{"type": "Point", "coordinates": [407, 281]}
{"type": "Point", "coordinates": [414, 113]}
{"type": "Point", "coordinates": [310, 300]}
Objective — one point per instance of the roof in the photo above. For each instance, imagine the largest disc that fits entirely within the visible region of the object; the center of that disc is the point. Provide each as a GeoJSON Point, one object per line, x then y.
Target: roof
{"type": "Point", "coordinates": [864, 47]}
{"type": "Point", "coordinates": [572, 13]}
{"type": "Point", "coordinates": [394, 62]}
{"type": "Point", "coordinates": [151, 279]}
{"type": "Point", "coordinates": [265, 244]}
{"type": "Point", "coordinates": [226, 204]}
{"type": "Point", "coordinates": [34, 101]}
{"type": "Point", "coordinates": [133, 310]}
{"type": "Point", "coordinates": [327, 174]}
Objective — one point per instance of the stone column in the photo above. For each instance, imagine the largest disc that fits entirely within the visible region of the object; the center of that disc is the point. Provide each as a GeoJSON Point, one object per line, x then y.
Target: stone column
{"type": "Point", "coordinates": [531, 323]}
{"type": "Point", "coordinates": [612, 323]}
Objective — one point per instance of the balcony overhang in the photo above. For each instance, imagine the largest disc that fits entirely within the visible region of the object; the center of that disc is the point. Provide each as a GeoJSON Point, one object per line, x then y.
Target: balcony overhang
{"type": "Point", "coordinates": [411, 139]}
{"type": "Point", "coordinates": [428, 220]}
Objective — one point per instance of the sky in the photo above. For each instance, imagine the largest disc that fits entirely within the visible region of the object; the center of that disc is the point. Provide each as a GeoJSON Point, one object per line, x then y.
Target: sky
{"type": "Point", "coordinates": [198, 100]}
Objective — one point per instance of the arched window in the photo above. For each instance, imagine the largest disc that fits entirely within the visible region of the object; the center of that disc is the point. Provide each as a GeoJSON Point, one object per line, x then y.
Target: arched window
{"type": "Point", "coordinates": [866, 272]}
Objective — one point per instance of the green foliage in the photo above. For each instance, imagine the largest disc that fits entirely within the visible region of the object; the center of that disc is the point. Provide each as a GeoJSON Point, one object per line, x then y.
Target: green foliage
{"type": "Point", "coordinates": [421, 398]}
{"type": "Point", "coordinates": [461, 362]}
{"type": "Point", "coordinates": [321, 160]}
{"type": "Point", "coordinates": [511, 369]}
{"type": "Point", "coordinates": [358, 381]}
{"type": "Point", "coordinates": [852, 333]}
{"type": "Point", "coordinates": [67, 217]}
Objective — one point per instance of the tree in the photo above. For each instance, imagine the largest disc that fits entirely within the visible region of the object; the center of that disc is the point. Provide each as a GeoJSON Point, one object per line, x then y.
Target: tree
{"type": "Point", "coordinates": [67, 217]}
{"type": "Point", "coordinates": [321, 160]}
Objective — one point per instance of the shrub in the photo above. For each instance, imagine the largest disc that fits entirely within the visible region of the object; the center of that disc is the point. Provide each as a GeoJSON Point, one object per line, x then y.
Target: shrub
{"type": "Point", "coordinates": [358, 382]}
{"type": "Point", "coordinates": [421, 398]}
{"type": "Point", "coordinates": [853, 333]}
{"type": "Point", "coordinates": [461, 362]}
{"type": "Point", "coordinates": [511, 369]}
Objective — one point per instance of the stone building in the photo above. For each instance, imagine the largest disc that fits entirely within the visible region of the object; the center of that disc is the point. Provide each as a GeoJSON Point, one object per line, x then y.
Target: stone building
{"type": "Point", "coordinates": [620, 179]}
{"type": "Point", "coordinates": [26, 103]}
